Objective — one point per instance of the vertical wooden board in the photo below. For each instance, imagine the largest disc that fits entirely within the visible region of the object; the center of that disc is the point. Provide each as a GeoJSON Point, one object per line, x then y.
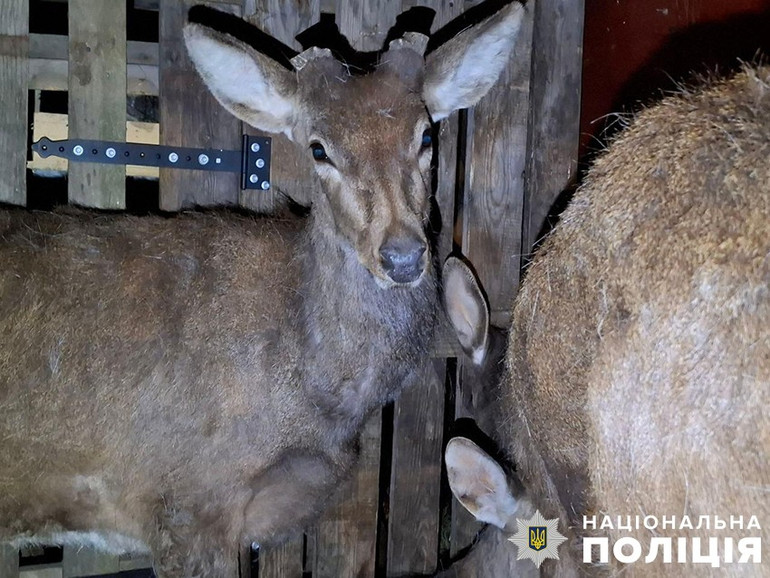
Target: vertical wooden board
{"type": "Point", "coordinates": [97, 97]}
{"type": "Point", "coordinates": [346, 534]}
{"type": "Point", "coordinates": [554, 131]}
{"type": "Point", "coordinates": [291, 173]}
{"type": "Point", "coordinates": [14, 50]}
{"type": "Point", "coordinates": [9, 559]}
{"type": "Point", "coordinates": [493, 202]}
{"type": "Point", "coordinates": [284, 561]}
{"type": "Point", "coordinates": [365, 23]}
{"type": "Point", "coordinates": [416, 474]}
{"type": "Point", "coordinates": [80, 562]}
{"type": "Point", "coordinates": [190, 116]}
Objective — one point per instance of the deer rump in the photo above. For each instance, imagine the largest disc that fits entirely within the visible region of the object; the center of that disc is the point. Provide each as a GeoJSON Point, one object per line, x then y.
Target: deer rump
{"type": "Point", "coordinates": [198, 382]}
{"type": "Point", "coordinates": [638, 364]}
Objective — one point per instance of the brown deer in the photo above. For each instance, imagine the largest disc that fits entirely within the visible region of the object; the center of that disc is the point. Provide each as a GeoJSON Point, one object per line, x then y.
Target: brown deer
{"type": "Point", "coordinates": [638, 365]}
{"type": "Point", "coordinates": [196, 382]}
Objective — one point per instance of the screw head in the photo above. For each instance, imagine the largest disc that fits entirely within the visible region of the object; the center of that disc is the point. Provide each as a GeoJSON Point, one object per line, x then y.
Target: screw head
{"type": "Point", "coordinates": [110, 153]}
{"type": "Point", "coordinates": [265, 185]}
{"type": "Point", "coordinates": [260, 163]}
{"type": "Point", "coordinates": [173, 157]}
{"type": "Point", "coordinates": [255, 147]}
{"type": "Point", "coordinates": [77, 150]}
{"type": "Point", "coordinates": [253, 178]}
{"type": "Point", "coordinates": [203, 159]}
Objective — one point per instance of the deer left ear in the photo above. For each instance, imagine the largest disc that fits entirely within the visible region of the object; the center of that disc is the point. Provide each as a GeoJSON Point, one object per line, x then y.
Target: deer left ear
{"type": "Point", "coordinates": [479, 483]}
{"type": "Point", "coordinates": [459, 73]}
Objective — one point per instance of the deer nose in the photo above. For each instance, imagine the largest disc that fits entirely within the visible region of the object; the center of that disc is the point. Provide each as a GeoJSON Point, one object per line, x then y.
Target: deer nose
{"type": "Point", "coordinates": [402, 259]}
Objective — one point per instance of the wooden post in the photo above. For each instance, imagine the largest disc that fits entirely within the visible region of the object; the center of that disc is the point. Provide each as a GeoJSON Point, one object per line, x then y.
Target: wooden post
{"type": "Point", "coordinates": [14, 49]}
{"type": "Point", "coordinates": [292, 172]}
{"type": "Point", "coordinates": [492, 208]}
{"type": "Point", "coordinates": [190, 116]}
{"type": "Point", "coordinates": [81, 562]}
{"type": "Point", "coordinates": [97, 97]}
{"type": "Point", "coordinates": [346, 534]}
{"type": "Point", "coordinates": [554, 121]}
{"type": "Point", "coordinates": [9, 561]}
{"type": "Point", "coordinates": [285, 561]}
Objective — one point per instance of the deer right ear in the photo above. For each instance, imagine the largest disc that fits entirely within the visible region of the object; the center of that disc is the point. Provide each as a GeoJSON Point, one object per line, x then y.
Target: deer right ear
{"type": "Point", "coordinates": [249, 85]}
{"type": "Point", "coordinates": [466, 308]}
{"type": "Point", "coordinates": [479, 483]}
{"type": "Point", "coordinates": [459, 73]}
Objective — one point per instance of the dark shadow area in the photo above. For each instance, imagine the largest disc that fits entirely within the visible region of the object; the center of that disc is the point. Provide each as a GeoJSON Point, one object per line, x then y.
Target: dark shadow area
{"type": "Point", "coordinates": [701, 51]}
{"type": "Point", "coordinates": [706, 50]}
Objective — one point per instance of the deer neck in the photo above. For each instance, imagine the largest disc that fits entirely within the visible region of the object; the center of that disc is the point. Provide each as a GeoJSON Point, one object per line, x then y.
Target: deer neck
{"type": "Point", "coordinates": [364, 341]}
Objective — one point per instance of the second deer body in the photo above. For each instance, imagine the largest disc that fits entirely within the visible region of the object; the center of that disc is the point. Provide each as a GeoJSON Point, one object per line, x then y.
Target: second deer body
{"type": "Point", "coordinates": [638, 366]}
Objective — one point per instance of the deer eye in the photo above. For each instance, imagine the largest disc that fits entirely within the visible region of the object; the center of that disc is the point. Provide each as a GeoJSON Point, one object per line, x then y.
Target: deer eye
{"type": "Point", "coordinates": [427, 139]}
{"type": "Point", "coordinates": [319, 152]}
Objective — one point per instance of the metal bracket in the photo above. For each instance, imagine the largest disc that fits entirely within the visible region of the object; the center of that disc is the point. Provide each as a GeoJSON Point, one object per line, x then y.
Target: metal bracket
{"type": "Point", "coordinates": [252, 161]}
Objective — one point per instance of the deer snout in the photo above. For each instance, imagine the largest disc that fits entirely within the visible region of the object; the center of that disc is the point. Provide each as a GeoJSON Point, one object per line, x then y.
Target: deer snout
{"type": "Point", "coordinates": [403, 259]}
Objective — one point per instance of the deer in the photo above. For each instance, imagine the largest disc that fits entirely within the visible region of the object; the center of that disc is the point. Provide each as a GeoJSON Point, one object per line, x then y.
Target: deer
{"type": "Point", "coordinates": [193, 383]}
{"type": "Point", "coordinates": [637, 370]}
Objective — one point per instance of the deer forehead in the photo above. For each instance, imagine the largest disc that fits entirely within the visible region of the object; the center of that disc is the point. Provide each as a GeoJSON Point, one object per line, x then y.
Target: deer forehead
{"type": "Point", "coordinates": [373, 114]}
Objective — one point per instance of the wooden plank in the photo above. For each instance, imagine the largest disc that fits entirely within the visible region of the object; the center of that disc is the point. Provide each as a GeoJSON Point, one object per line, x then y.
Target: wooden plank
{"type": "Point", "coordinates": [554, 122]}
{"type": "Point", "coordinates": [365, 23]}
{"type": "Point", "coordinates": [9, 557]}
{"type": "Point", "coordinates": [283, 561]}
{"type": "Point", "coordinates": [190, 116]}
{"type": "Point", "coordinates": [80, 562]}
{"type": "Point", "coordinates": [416, 474]}
{"type": "Point", "coordinates": [493, 201]}
{"type": "Point", "coordinates": [55, 47]}
{"type": "Point", "coordinates": [14, 48]}
{"type": "Point", "coordinates": [97, 97]}
{"type": "Point", "coordinates": [346, 534]}
{"type": "Point", "coordinates": [292, 172]}
{"type": "Point", "coordinates": [46, 74]}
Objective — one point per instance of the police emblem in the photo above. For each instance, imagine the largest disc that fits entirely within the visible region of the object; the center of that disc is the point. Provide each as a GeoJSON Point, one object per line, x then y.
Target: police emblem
{"type": "Point", "coordinates": [537, 539]}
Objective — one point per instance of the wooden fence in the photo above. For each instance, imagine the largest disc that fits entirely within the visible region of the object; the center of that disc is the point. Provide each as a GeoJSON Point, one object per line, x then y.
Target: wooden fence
{"type": "Point", "coordinates": [500, 167]}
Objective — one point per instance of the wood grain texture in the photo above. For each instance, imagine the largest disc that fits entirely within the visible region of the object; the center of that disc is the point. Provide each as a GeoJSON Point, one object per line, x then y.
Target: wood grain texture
{"type": "Point", "coordinates": [14, 48]}
{"type": "Point", "coordinates": [9, 559]}
{"type": "Point", "coordinates": [80, 562]}
{"type": "Point", "coordinates": [557, 64]}
{"type": "Point", "coordinates": [97, 97]}
{"type": "Point", "coordinates": [346, 534]}
{"type": "Point", "coordinates": [283, 561]}
{"type": "Point", "coordinates": [365, 23]}
{"type": "Point", "coordinates": [493, 201]}
{"type": "Point", "coordinates": [413, 532]}
{"type": "Point", "coordinates": [292, 172]}
{"type": "Point", "coordinates": [190, 116]}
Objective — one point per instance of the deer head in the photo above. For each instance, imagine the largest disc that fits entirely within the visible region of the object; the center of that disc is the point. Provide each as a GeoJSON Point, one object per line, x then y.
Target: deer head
{"type": "Point", "coordinates": [369, 135]}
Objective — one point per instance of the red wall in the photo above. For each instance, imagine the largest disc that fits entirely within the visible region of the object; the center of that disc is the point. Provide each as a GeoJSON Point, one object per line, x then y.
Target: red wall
{"type": "Point", "coordinates": [634, 48]}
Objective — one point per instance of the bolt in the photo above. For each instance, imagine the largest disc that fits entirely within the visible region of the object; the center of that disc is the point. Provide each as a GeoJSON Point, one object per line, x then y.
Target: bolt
{"type": "Point", "coordinates": [254, 179]}
{"type": "Point", "coordinates": [265, 185]}
{"type": "Point", "coordinates": [203, 159]}
{"type": "Point", "coordinates": [77, 150]}
{"type": "Point", "coordinates": [255, 147]}
{"type": "Point", "coordinates": [110, 153]}
{"type": "Point", "coordinates": [260, 163]}
{"type": "Point", "coordinates": [173, 157]}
